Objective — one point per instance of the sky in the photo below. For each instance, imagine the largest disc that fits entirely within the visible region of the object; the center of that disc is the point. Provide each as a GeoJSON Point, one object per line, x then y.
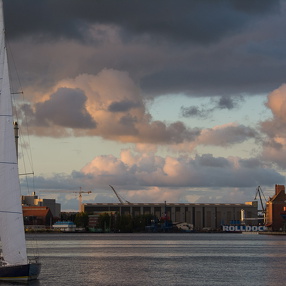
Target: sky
{"type": "Point", "coordinates": [177, 101]}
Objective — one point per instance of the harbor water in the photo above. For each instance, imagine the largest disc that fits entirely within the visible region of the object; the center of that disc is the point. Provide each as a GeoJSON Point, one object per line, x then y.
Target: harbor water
{"type": "Point", "coordinates": [79, 259]}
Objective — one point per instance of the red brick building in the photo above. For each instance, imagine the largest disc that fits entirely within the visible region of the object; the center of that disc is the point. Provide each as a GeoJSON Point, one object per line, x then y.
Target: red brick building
{"type": "Point", "coordinates": [37, 216]}
{"type": "Point", "coordinates": [274, 208]}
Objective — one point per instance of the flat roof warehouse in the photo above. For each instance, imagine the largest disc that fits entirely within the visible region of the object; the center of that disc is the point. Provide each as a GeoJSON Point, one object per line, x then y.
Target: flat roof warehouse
{"type": "Point", "coordinates": [200, 215]}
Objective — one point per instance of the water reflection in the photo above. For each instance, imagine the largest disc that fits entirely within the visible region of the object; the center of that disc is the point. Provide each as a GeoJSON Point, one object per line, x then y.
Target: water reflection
{"type": "Point", "coordinates": [161, 259]}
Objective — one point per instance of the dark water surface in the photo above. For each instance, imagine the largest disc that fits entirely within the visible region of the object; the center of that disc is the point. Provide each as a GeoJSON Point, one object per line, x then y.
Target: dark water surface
{"type": "Point", "coordinates": [160, 259]}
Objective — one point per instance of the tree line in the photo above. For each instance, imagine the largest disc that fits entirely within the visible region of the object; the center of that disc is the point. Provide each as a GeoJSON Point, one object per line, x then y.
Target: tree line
{"type": "Point", "coordinates": [108, 222]}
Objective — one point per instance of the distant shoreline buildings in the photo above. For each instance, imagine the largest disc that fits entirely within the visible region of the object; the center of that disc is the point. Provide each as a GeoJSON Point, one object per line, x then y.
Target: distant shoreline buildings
{"type": "Point", "coordinates": [202, 216]}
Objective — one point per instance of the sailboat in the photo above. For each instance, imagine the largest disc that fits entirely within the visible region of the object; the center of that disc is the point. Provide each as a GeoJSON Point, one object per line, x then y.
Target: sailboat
{"type": "Point", "coordinates": [14, 264]}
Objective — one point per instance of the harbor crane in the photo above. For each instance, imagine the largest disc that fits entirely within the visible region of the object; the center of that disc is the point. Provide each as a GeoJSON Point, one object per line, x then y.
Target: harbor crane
{"type": "Point", "coordinates": [118, 197]}
{"type": "Point", "coordinates": [260, 194]}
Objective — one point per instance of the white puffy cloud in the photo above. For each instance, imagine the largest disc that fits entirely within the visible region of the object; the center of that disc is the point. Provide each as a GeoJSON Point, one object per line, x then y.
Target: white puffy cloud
{"type": "Point", "coordinates": [274, 147]}
{"type": "Point", "coordinates": [184, 171]}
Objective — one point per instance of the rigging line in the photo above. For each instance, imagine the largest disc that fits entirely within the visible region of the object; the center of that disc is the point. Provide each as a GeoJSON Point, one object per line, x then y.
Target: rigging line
{"type": "Point", "coordinates": [28, 142]}
{"type": "Point", "coordinates": [30, 157]}
{"type": "Point", "coordinates": [8, 48]}
{"type": "Point", "coordinates": [29, 151]}
{"type": "Point", "coordinates": [34, 182]}
{"type": "Point", "coordinates": [26, 177]}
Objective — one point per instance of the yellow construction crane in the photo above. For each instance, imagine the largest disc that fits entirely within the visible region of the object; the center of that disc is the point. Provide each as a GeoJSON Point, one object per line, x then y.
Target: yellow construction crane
{"type": "Point", "coordinates": [80, 198]}
{"type": "Point", "coordinates": [80, 192]}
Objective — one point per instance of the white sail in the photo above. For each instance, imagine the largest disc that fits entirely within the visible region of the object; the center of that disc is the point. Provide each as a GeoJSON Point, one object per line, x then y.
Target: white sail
{"type": "Point", "coordinates": [11, 218]}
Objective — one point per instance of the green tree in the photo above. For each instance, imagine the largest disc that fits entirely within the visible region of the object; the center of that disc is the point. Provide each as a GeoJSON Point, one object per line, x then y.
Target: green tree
{"type": "Point", "coordinates": [141, 221]}
{"type": "Point", "coordinates": [104, 222]}
{"type": "Point", "coordinates": [81, 219]}
{"type": "Point", "coordinates": [124, 223]}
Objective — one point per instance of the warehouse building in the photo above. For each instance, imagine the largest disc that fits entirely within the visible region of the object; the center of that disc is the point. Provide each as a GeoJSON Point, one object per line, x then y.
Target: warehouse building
{"type": "Point", "coordinates": [208, 216]}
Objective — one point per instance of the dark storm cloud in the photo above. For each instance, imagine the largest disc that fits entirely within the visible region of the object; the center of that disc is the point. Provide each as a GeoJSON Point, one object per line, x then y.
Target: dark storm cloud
{"type": "Point", "coordinates": [200, 79]}
{"type": "Point", "coordinates": [198, 48]}
{"type": "Point", "coordinates": [66, 108]}
{"type": "Point", "coordinates": [199, 21]}
{"type": "Point", "coordinates": [223, 102]}
{"type": "Point", "coordinates": [226, 102]}
{"type": "Point", "coordinates": [207, 160]}
{"type": "Point", "coordinates": [193, 111]}
{"type": "Point", "coordinates": [123, 106]}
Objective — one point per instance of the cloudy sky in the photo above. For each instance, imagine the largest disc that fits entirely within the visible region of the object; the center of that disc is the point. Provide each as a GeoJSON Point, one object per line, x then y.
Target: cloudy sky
{"type": "Point", "coordinates": [177, 101]}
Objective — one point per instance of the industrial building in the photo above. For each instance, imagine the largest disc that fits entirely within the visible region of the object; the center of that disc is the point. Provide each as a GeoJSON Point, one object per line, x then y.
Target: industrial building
{"type": "Point", "coordinates": [34, 200]}
{"type": "Point", "coordinates": [275, 210]}
{"type": "Point", "coordinates": [39, 213]}
{"type": "Point", "coordinates": [208, 216]}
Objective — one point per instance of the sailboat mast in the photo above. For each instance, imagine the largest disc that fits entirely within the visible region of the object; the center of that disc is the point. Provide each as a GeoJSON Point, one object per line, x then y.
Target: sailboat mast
{"type": "Point", "coordinates": [16, 133]}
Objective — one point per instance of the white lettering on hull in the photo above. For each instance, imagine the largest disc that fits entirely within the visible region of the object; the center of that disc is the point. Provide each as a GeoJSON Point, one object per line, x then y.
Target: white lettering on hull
{"type": "Point", "coordinates": [243, 228]}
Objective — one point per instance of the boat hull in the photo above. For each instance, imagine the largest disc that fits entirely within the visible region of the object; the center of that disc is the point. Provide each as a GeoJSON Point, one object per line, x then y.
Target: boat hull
{"type": "Point", "coordinates": [25, 272]}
